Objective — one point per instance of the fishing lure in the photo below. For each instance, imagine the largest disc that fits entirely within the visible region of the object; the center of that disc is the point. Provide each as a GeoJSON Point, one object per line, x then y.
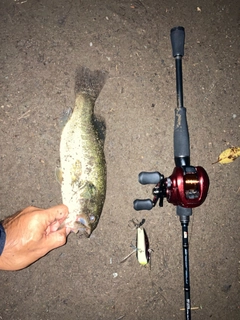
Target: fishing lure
{"type": "Point", "coordinates": [142, 249]}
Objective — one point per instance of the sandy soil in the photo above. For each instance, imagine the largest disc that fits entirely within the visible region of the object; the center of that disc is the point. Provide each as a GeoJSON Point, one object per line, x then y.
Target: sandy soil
{"type": "Point", "coordinates": [42, 43]}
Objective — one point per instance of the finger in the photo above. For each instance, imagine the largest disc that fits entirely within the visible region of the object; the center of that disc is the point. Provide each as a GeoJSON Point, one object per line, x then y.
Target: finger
{"type": "Point", "coordinates": [68, 230]}
{"type": "Point", "coordinates": [55, 239]}
{"type": "Point", "coordinates": [50, 215]}
{"type": "Point", "coordinates": [53, 227]}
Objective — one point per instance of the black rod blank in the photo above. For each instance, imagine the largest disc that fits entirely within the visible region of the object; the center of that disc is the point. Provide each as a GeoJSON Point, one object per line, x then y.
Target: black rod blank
{"type": "Point", "coordinates": [186, 272]}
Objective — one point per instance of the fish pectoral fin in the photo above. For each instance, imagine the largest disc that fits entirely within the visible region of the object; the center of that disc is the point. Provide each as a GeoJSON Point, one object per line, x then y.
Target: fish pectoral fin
{"type": "Point", "coordinates": [58, 175]}
{"type": "Point", "coordinates": [89, 190]}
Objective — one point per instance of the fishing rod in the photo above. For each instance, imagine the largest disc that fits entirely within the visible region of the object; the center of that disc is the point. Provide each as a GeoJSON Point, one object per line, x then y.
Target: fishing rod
{"type": "Point", "coordinates": [188, 185]}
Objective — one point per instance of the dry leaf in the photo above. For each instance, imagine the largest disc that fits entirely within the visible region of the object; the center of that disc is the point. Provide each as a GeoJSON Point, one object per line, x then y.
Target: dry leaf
{"type": "Point", "coordinates": [229, 155]}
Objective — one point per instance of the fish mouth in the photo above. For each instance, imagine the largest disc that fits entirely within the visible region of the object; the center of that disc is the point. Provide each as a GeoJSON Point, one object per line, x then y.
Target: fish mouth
{"type": "Point", "coordinates": [82, 226]}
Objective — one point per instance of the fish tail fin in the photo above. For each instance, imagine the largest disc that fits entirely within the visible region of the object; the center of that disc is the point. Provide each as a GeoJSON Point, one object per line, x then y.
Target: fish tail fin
{"type": "Point", "coordinates": [90, 82]}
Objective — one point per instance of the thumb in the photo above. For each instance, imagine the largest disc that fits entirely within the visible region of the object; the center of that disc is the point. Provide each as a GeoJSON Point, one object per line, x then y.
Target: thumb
{"type": "Point", "coordinates": [55, 239]}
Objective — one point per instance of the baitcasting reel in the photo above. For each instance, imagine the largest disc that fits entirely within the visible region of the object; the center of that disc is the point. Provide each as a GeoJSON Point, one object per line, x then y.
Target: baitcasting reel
{"type": "Point", "coordinates": [186, 187]}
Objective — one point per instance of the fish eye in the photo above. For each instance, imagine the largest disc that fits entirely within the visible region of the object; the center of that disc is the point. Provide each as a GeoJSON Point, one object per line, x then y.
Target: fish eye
{"type": "Point", "coordinates": [92, 218]}
{"type": "Point", "coordinates": [82, 221]}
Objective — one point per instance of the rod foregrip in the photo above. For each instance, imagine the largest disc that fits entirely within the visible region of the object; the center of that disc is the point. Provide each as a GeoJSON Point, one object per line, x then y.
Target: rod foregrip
{"type": "Point", "coordinates": [181, 136]}
{"type": "Point", "coordinates": [177, 39]}
{"type": "Point", "coordinates": [184, 212]}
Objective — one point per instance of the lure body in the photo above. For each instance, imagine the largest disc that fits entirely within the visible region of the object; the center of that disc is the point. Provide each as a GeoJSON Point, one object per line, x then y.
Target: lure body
{"type": "Point", "coordinates": [142, 246]}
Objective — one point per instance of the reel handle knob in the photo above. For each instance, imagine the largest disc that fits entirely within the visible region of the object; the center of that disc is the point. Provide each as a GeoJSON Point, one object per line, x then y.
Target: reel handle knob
{"type": "Point", "coordinates": [146, 204]}
{"type": "Point", "coordinates": [149, 177]}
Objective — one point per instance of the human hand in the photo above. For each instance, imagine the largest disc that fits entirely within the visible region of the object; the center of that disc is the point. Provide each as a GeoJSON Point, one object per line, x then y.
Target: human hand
{"type": "Point", "coordinates": [32, 233]}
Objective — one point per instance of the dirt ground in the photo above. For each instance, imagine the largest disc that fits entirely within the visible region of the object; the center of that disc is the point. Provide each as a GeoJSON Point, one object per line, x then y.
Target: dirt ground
{"type": "Point", "coordinates": [42, 44]}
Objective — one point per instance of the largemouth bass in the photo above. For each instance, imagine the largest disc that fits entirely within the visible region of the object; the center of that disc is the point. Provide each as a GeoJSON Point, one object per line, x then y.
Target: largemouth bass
{"type": "Point", "coordinates": [83, 169]}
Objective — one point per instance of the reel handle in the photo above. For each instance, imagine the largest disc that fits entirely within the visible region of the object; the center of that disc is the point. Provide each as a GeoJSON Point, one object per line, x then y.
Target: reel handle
{"type": "Point", "coordinates": [149, 177]}
{"type": "Point", "coordinates": [146, 204]}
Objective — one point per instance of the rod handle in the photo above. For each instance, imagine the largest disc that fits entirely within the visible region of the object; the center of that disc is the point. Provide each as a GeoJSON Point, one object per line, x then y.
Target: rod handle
{"type": "Point", "coordinates": [146, 204]}
{"type": "Point", "coordinates": [181, 135]}
{"type": "Point", "coordinates": [149, 177]}
{"type": "Point", "coordinates": [177, 39]}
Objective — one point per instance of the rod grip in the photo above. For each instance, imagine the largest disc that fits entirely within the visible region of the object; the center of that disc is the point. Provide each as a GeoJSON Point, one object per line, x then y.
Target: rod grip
{"type": "Point", "coordinates": [146, 204]}
{"type": "Point", "coordinates": [181, 136]}
{"type": "Point", "coordinates": [177, 39]}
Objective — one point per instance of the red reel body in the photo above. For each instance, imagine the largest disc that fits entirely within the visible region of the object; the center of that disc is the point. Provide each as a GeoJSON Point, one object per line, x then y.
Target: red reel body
{"type": "Point", "coordinates": [187, 186]}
